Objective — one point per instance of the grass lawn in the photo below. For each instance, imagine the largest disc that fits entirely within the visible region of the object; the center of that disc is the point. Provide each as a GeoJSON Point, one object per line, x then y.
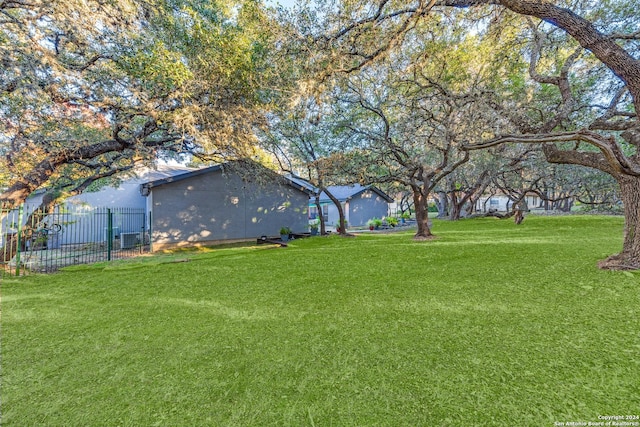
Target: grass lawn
{"type": "Point", "coordinates": [491, 324]}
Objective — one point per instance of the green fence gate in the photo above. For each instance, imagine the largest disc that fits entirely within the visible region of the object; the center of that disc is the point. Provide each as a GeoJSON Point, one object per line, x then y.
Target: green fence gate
{"type": "Point", "coordinates": [35, 241]}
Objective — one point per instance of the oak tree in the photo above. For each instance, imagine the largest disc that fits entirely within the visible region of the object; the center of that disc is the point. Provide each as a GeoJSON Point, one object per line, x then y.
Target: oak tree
{"type": "Point", "coordinates": [578, 90]}
{"type": "Point", "coordinates": [91, 87]}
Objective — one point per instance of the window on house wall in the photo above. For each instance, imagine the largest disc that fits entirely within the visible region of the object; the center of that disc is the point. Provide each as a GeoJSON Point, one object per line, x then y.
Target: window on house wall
{"type": "Point", "coordinates": [313, 212]}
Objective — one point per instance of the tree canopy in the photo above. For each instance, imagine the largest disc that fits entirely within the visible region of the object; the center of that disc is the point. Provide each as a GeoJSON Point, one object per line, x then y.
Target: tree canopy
{"type": "Point", "coordinates": [569, 75]}
{"type": "Point", "coordinates": [92, 87]}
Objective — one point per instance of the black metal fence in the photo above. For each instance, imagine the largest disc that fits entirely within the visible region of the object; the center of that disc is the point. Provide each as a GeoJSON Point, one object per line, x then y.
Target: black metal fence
{"type": "Point", "coordinates": [33, 241]}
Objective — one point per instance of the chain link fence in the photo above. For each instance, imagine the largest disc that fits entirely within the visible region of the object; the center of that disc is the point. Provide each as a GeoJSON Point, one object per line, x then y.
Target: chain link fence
{"type": "Point", "coordinates": [43, 242]}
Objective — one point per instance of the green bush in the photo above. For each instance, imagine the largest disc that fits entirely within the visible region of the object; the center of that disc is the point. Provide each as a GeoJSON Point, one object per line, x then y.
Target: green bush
{"type": "Point", "coordinates": [285, 230]}
{"type": "Point", "coordinates": [375, 222]}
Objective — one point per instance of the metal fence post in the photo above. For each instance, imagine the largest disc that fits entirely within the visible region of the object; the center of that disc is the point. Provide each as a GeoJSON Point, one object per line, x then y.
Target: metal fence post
{"type": "Point", "coordinates": [109, 234]}
{"type": "Point", "coordinates": [150, 233]}
{"type": "Point", "coordinates": [19, 238]}
{"type": "Point", "coordinates": [143, 216]}
{"type": "Point", "coordinates": [4, 218]}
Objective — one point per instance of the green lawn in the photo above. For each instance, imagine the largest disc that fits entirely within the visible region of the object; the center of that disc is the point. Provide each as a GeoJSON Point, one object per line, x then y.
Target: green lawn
{"type": "Point", "coordinates": [491, 324]}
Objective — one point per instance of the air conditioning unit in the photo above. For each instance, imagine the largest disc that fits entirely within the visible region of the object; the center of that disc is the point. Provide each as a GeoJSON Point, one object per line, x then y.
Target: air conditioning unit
{"type": "Point", "coordinates": [128, 240]}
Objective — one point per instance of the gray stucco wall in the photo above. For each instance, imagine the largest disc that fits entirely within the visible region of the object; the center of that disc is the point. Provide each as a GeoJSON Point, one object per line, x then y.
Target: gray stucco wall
{"type": "Point", "coordinates": [365, 206]}
{"type": "Point", "coordinates": [360, 209]}
{"type": "Point", "coordinates": [216, 207]}
{"type": "Point", "coordinates": [126, 195]}
{"type": "Point", "coordinates": [332, 214]}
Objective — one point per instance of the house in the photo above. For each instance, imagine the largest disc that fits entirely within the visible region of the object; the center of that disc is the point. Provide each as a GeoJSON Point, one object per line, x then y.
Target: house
{"type": "Point", "coordinates": [127, 193]}
{"type": "Point", "coordinates": [223, 203]}
{"type": "Point", "coordinates": [502, 203]}
{"type": "Point", "coordinates": [84, 217]}
{"type": "Point", "coordinates": [180, 207]}
{"type": "Point", "coordinates": [360, 204]}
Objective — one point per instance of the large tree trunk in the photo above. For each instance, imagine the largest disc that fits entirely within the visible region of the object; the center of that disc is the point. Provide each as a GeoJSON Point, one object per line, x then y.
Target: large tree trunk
{"type": "Point", "coordinates": [341, 220]}
{"type": "Point", "coordinates": [442, 203]}
{"type": "Point", "coordinates": [422, 214]}
{"type": "Point", "coordinates": [629, 258]}
{"type": "Point", "coordinates": [454, 203]}
{"type": "Point", "coordinates": [323, 227]}
{"type": "Point", "coordinates": [455, 210]}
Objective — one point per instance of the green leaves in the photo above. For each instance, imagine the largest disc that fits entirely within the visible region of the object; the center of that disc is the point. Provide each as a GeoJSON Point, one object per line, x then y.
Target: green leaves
{"type": "Point", "coordinates": [134, 72]}
{"type": "Point", "coordinates": [160, 69]}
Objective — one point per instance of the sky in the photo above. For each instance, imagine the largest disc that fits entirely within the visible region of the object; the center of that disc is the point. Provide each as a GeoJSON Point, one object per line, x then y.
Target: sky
{"type": "Point", "coordinates": [285, 3]}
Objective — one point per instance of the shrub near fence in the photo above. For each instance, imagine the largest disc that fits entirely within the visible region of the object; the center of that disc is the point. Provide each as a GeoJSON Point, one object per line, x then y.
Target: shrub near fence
{"type": "Point", "coordinates": [31, 241]}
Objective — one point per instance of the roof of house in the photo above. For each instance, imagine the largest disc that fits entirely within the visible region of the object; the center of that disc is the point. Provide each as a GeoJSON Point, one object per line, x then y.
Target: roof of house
{"type": "Point", "coordinates": [163, 172]}
{"type": "Point", "coordinates": [341, 192]}
{"type": "Point", "coordinates": [137, 176]}
{"type": "Point", "coordinates": [302, 182]}
{"type": "Point", "coordinates": [146, 187]}
{"type": "Point", "coordinates": [347, 192]}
